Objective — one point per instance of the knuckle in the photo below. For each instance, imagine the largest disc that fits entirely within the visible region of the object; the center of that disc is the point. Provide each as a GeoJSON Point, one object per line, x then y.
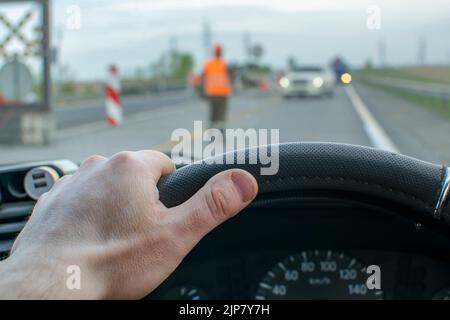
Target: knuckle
{"type": "Point", "coordinates": [127, 161]}
{"type": "Point", "coordinates": [92, 160]}
{"type": "Point", "coordinates": [217, 203]}
{"type": "Point", "coordinates": [155, 153]}
{"type": "Point", "coordinates": [124, 157]}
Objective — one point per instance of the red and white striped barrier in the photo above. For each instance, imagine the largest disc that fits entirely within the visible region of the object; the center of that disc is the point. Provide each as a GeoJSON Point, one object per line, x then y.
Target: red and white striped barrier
{"type": "Point", "coordinates": [114, 114]}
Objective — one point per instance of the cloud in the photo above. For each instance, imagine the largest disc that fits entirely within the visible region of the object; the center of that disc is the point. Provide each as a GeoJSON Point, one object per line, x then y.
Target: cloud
{"type": "Point", "coordinates": [135, 32]}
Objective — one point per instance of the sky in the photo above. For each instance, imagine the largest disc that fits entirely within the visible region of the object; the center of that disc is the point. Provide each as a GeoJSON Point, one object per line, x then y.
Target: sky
{"type": "Point", "coordinates": [134, 33]}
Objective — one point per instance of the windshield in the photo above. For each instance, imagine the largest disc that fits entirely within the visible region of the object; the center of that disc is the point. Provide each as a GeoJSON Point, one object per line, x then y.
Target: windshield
{"type": "Point", "coordinates": [85, 77]}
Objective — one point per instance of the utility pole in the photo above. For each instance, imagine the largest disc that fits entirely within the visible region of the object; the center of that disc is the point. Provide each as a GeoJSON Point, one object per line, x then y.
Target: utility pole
{"type": "Point", "coordinates": [422, 55]}
{"type": "Point", "coordinates": [173, 45]}
{"type": "Point", "coordinates": [247, 42]}
{"type": "Point", "coordinates": [58, 61]}
{"type": "Point", "coordinates": [382, 53]}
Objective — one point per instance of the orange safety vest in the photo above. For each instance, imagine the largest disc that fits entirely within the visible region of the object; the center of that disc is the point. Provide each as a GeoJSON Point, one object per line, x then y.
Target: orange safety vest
{"type": "Point", "coordinates": [217, 80]}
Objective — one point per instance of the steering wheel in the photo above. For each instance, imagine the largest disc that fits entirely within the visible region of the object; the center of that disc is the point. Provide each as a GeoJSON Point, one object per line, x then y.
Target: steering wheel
{"type": "Point", "coordinates": [337, 170]}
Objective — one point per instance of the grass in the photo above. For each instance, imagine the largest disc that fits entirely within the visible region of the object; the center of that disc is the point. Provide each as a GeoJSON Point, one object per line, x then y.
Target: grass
{"type": "Point", "coordinates": [428, 74]}
{"type": "Point", "coordinates": [431, 103]}
{"type": "Point", "coordinates": [434, 74]}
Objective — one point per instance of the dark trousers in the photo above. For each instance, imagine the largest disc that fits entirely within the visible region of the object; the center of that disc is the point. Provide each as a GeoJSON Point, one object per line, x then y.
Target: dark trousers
{"type": "Point", "coordinates": [218, 111]}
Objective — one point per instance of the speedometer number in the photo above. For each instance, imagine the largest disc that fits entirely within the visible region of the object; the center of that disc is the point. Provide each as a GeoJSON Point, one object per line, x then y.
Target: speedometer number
{"type": "Point", "coordinates": [279, 290]}
{"type": "Point", "coordinates": [348, 274]}
{"type": "Point", "coordinates": [316, 275]}
{"type": "Point", "coordinates": [357, 289]}
{"type": "Point", "coordinates": [328, 266]}
{"type": "Point", "coordinates": [291, 275]}
{"type": "Point", "coordinates": [308, 266]}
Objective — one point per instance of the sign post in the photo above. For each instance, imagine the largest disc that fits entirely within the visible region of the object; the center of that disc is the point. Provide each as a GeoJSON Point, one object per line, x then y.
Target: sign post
{"type": "Point", "coordinates": [25, 102]}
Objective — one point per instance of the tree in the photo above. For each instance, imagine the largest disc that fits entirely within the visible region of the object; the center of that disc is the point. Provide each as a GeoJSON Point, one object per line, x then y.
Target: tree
{"type": "Point", "coordinates": [173, 66]}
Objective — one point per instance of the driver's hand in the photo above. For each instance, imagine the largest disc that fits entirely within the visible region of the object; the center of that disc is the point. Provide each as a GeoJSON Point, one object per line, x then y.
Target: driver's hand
{"type": "Point", "coordinates": [107, 220]}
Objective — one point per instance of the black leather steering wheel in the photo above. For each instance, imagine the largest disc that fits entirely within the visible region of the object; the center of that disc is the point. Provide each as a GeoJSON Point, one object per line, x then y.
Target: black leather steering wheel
{"type": "Point", "coordinates": [355, 171]}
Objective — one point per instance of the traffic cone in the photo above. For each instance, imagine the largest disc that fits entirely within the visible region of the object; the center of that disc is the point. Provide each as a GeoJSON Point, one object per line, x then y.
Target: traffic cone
{"type": "Point", "coordinates": [264, 86]}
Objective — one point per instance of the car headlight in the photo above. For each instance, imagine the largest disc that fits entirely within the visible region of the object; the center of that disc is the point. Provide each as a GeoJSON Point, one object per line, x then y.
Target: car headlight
{"type": "Point", "coordinates": [346, 78]}
{"type": "Point", "coordinates": [284, 82]}
{"type": "Point", "coordinates": [318, 82]}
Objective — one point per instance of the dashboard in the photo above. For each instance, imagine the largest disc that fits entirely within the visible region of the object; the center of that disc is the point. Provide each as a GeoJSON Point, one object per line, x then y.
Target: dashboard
{"type": "Point", "coordinates": [314, 250]}
{"type": "Point", "coordinates": [294, 245]}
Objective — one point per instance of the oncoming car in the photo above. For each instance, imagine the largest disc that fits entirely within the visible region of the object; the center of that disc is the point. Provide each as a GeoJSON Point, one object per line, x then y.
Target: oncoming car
{"type": "Point", "coordinates": [308, 81]}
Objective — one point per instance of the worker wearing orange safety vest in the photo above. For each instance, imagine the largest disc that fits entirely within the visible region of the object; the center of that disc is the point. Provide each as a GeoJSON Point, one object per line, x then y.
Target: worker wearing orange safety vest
{"type": "Point", "coordinates": [217, 87]}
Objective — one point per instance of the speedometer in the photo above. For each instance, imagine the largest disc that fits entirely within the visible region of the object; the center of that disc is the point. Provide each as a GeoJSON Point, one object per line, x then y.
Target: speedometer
{"type": "Point", "coordinates": [318, 274]}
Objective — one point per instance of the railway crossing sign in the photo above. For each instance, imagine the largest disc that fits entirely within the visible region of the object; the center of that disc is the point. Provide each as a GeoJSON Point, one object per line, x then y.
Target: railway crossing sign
{"type": "Point", "coordinates": [15, 32]}
{"type": "Point", "coordinates": [25, 42]}
{"type": "Point", "coordinates": [25, 100]}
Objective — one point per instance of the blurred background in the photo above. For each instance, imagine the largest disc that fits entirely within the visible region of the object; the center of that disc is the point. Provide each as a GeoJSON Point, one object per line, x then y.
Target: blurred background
{"type": "Point", "coordinates": [373, 73]}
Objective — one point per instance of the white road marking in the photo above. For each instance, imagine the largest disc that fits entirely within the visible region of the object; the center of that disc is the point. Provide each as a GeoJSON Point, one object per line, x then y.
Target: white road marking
{"type": "Point", "coordinates": [282, 267]}
{"type": "Point", "coordinates": [378, 137]}
{"type": "Point", "coordinates": [260, 298]}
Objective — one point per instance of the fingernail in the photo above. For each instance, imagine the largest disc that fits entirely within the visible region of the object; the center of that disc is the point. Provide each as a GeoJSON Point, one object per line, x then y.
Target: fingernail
{"type": "Point", "coordinates": [244, 184]}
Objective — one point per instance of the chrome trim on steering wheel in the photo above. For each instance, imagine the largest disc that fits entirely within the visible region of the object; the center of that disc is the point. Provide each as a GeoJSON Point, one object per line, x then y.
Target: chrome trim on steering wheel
{"type": "Point", "coordinates": [444, 196]}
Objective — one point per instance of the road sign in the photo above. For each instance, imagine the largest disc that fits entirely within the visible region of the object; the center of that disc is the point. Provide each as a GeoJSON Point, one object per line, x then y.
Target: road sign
{"type": "Point", "coordinates": [257, 51]}
{"type": "Point", "coordinates": [27, 40]}
{"type": "Point", "coordinates": [16, 82]}
{"type": "Point", "coordinates": [15, 32]}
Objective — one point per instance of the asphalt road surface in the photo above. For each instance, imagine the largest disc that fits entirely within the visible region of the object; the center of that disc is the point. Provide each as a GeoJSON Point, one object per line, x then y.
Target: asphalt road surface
{"type": "Point", "coordinates": [357, 114]}
{"type": "Point", "coordinates": [93, 111]}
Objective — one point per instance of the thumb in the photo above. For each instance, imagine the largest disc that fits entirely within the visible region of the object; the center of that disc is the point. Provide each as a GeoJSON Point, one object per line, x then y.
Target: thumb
{"type": "Point", "coordinates": [222, 197]}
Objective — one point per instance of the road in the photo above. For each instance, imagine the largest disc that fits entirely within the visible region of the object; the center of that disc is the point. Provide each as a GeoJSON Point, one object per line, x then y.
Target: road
{"type": "Point", "coordinates": [357, 115]}
{"type": "Point", "coordinates": [93, 111]}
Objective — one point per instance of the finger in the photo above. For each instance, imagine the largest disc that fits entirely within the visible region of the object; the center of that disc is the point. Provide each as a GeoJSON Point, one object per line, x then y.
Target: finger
{"type": "Point", "coordinates": [155, 163]}
{"type": "Point", "coordinates": [220, 199]}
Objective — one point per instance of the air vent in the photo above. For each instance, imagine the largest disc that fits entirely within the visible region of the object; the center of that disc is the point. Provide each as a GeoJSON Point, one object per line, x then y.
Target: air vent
{"type": "Point", "coordinates": [19, 184]}
{"type": "Point", "coordinates": [5, 247]}
{"type": "Point", "coordinates": [12, 220]}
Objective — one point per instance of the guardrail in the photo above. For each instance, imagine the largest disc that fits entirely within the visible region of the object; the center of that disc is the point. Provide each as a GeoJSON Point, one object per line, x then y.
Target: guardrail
{"type": "Point", "coordinates": [437, 95]}
{"type": "Point", "coordinates": [97, 92]}
{"type": "Point", "coordinates": [423, 88]}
